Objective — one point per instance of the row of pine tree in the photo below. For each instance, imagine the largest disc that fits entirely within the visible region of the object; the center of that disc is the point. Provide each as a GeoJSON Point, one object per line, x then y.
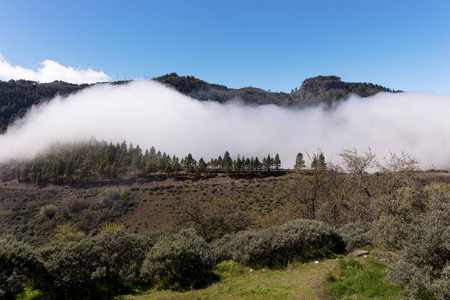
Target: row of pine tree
{"type": "Point", "coordinates": [100, 161]}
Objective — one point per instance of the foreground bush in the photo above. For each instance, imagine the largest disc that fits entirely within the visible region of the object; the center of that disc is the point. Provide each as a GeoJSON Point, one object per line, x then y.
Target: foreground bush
{"type": "Point", "coordinates": [72, 268]}
{"type": "Point", "coordinates": [180, 260]}
{"type": "Point", "coordinates": [301, 235]}
{"type": "Point", "coordinates": [297, 239]}
{"type": "Point", "coordinates": [121, 255]}
{"type": "Point", "coordinates": [424, 264]}
{"type": "Point", "coordinates": [18, 266]}
{"type": "Point", "coordinates": [356, 235]}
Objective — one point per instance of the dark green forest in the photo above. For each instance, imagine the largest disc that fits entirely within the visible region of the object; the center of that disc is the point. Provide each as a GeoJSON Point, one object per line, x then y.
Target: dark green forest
{"type": "Point", "coordinates": [17, 96]}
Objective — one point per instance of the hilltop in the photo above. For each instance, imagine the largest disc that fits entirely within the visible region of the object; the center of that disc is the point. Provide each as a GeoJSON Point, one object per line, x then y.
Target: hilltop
{"type": "Point", "coordinates": [328, 89]}
{"type": "Point", "coordinates": [320, 89]}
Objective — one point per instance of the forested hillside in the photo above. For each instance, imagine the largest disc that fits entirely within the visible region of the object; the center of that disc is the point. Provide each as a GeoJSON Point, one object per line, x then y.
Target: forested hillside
{"type": "Point", "coordinates": [328, 89]}
{"type": "Point", "coordinates": [17, 96]}
{"type": "Point", "coordinates": [312, 91]}
{"type": "Point", "coordinates": [202, 90]}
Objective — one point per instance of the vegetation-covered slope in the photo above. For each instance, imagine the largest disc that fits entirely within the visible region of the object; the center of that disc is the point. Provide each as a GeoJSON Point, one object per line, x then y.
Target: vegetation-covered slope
{"type": "Point", "coordinates": [327, 89]}
{"type": "Point", "coordinates": [202, 90]}
{"type": "Point", "coordinates": [17, 96]}
{"type": "Point", "coordinates": [314, 90]}
{"type": "Point", "coordinates": [187, 222]}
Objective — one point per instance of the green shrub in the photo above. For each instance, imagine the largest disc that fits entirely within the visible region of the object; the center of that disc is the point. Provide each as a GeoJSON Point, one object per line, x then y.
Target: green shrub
{"type": "Point", "coordinates": [121, 255]}
{"type": "Point", "coordinates": [48, 211]}
{"type": "Point", "coordinates": [73, 269]}
{"type": "Point", "coordinates": [108, 197]}
{"type": "Point", "coordinates": [245, 247]}
{"type": "Point", "coordinates": [297, 239]}
{"type": "Point", "coordinates": [125, 194]}
{"type": "Point", "coordinates": [31, 207]}
{"type": "Point", "coordinates": [398, 212]}
{"type": "Point", "coordinates": [75, 206]}
{"type": "Point", "coordinates": [424, 263]}
{"type": "Point", "coordinates": [356, 235]}
{"type": "Point", "coordinates": [229, 267]}
{"type": "Point", "coordinates": [179, 260]}
{"type": "Point", "coordinates": [68, 232]}
{"type": "Point", "coordinates": [302, 235]}
{"type": "Point", "coordinates": [19, 266]}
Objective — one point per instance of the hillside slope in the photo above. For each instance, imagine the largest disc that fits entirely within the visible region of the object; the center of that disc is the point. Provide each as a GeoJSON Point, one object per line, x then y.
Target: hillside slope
{"type": "Point", "coordinates": [17, 96]}
{"type": "Point", "coordinates": [203, 90]}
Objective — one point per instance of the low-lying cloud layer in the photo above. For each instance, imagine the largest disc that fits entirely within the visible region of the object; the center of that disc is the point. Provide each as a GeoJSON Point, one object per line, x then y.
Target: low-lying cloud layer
{"type": "Point", "coordinates": [50, 71]}
{"type": "Point", "coordinates": [150, 114]}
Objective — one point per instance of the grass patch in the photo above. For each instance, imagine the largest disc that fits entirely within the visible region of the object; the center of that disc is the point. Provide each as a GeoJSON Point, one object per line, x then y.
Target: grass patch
{"type": "Point", "coordinates": [297, 281]}
{"type": "Point", "coordinates": [353, 280]}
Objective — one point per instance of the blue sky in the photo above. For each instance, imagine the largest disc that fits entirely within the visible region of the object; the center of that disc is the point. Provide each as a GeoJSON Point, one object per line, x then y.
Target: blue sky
{"type": "Point", "coordinates": [268, 44]}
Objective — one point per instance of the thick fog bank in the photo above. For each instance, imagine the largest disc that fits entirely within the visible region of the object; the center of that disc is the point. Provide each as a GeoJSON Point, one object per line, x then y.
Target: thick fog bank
{"type": "Point", "coordinates": [150, 114]}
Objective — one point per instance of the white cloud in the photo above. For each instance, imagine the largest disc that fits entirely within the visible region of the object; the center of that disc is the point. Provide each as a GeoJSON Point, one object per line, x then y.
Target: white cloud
{"type": "Point", "coordinates": [50, 71]}
{"type": "Point", "coordinates": [150, 114]}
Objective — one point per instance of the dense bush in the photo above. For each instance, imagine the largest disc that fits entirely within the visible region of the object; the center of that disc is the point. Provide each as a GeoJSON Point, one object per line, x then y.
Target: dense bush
{"type": "Point", "coordinates": [398, 212]}
{"type": "Point", "coordinates": [356, 235]}
{"type": "Point", "coordinates": [424, 264]}
{"type": "Point", "coordinates": [76, 205]}
{"type": "Point", "coordinates": [73, 269]}
{"type": "Point", "coordinates": [244, 247]}
{"type": "Point", "coordinates": [307, 235]}
{"type": "Point", "coordinates": [48, 211]}
{"type": "Point", "coordinates": [121, 255]}
{"type": "Point", "coordinates": [18, 266]}
{"type": "Point", "coordinates": [73, 266]}
{"type": "Point", "coordinates": [181, 259]}
{"type": "Point", "coordinates": [297, 239]}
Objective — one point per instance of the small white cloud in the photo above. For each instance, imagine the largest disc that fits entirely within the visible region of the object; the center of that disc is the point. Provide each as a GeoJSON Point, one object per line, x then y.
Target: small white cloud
{"type": "Point", "coordinates": [50, 71]}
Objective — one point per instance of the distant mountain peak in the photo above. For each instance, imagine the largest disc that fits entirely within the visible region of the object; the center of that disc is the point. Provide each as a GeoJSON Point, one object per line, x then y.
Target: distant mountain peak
{"type": "Point", "coordinates": [329, 89]}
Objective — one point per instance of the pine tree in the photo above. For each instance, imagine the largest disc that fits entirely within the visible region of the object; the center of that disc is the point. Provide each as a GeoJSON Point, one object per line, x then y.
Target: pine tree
{"type": "Point", "coordinates": [201, 167]}
{"type": "Point", "coordinates": [299, 162]}
{"type": "Point", "coordinates": [226, 160]}
{"type": "Point", "coordinates": [228, 167]}
{"type": "Point", "coordinates": [277, 162]}
{"type": "Point", "coordinates": [318, 162]}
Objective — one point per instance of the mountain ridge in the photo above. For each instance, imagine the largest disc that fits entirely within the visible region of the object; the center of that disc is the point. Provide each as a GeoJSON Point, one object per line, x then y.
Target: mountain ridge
{"type": "Point", "coordinates": [17, 96]}
{"type": "Point", "coordinates": [314, 90]}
